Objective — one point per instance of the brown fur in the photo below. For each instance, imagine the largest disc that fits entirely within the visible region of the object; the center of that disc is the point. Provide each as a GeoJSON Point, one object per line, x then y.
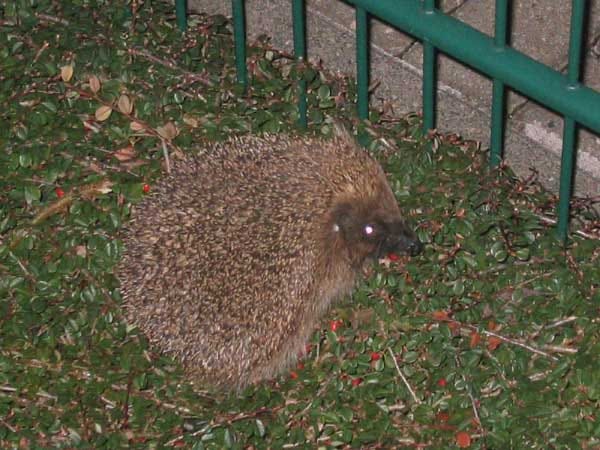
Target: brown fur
{"type": "Point", "coordinates": [232, 260]}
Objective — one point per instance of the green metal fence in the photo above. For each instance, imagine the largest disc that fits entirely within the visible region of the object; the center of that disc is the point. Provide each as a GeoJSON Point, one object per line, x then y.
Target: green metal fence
{"type": "Point", "coordinates": [507, 67]}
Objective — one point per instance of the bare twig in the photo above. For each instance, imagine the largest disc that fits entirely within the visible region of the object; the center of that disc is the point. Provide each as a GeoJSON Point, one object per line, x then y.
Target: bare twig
{"type": "Point", "coordinates": [20, 263]}
{"type": "Point", "coordinates": [90, 278]}
{"type": "Point", "coordinates": [227, 421]}
{"type": "Point", "coordinates": [559, 349]}
{"type": "Point", "coordinates": [54, 207]}
{"type": "Point", "coordinates": [53, 19]}
{"type": "Point", "coordinates": [174, 440]}
{"type": "Point", "coordinates": [540, 375]}
{"type": "Point", "coordinates": [551, 221]}
{"type": "Point", "coordinates": [474, 401]}
{"type": "Point", "coordinates": [514, 342]}
{"type": "Point", "coordinates": [40, 51]}
{"type": "Point", "coordinates": [404, 380]}
{"type": "Point", "coordinates": [8, 426]}
{"type": "Point", "coordinates": [166, 155]}
{"type": "Point", "coordinates": [43, 394]}
{"type": "Point", "coordinates": [88, 191]}
{"type": "Point", "coordinates": [498, 336]}
{"type": "Point", "coordinates": [561, 322]}
{"type": "Point", "coordinates": [170, 64]}
{"type": "Point", "coordinates": [125, 421]}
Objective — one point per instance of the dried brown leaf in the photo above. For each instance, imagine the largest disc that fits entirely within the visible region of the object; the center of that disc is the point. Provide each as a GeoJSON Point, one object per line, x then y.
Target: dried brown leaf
{"type": "Point", "coordinates": [66, 72]}
{"type": "Point", "coordinates": [475, 339]}
{"type": "Point", "coordinates": [94, 84]}
{"type": "Point", "coordinates": [103, 113]}
{"type": "Point", "coordinates": [136, 126]}
{"type": "Point", "coordinates": [130, 165]}
{"type": "Point", "coordinates": [125, 153]}
{"type": "Point", "coordinates": [168, 131]}
{"type": "Point", "coordinates": [125, 104]}
{"type": "Point", "coordinates": [190, 120]}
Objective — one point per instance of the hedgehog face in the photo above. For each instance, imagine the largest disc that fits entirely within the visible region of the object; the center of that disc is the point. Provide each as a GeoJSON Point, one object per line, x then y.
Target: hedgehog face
{"type": "Point", "coordinates": [373, 233]}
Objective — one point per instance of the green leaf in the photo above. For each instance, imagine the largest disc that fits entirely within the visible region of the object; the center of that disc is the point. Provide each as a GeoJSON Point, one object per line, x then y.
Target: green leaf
{"type": "Point", "coordinates": [324, 92]}
{"type": "Point", "coordinates": [32, 194]}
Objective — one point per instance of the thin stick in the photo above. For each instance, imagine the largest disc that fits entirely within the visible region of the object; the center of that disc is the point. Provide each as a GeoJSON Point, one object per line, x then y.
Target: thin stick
{"type": "Point", "coordinates": [166, 155]}
{"type": "Point", "coordinates": [551, 221]}
{"type": "Point", "coordinates": [170, 64]}
{"type": "Point", "coordinates": [562, 322]}
{"type": "Point", "coordinates": [412, 393]}
{"type": "Point", "coordinates": [42, 49]}
{"type": "Point", "coordinates": [514, 342]}
{"type": "Point", "coordinates": [559, 349]}
{"type": "Point", "coordinates": [53, 19]}
{"type": "Point", "coordinates": [22, 266]}
{"type": "Point", "coordinates": [471, 396]}
{"type": "Point", "coordinates": [8, 426]}
{"type": "Point", "coordinates": [499, 336]}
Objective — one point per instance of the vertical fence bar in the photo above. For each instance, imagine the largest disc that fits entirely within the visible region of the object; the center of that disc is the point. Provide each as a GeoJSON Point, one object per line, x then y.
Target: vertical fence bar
{"type": "Point", "coordinates": [362, 62]}
{"type": "Point", "coordinates": [498, 90]}
{"type": "Point", "coordinates": [570, 127]}
{"type": "Point", "coordinates": [181, 14]}
{"type": "Point", "coordinates": [429, 77]}
{"type": "Point", "coordinates": [239, 37]}
{"type": "Point", "coordinates": [298, 15]}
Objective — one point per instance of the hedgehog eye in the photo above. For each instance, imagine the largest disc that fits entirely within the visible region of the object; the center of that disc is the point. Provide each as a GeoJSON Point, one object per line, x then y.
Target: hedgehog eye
{"type": "Point", "coordinates": [369, 230]}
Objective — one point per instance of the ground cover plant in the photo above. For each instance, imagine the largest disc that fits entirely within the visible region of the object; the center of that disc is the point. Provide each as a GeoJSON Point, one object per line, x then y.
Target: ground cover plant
{"type": "Point", "coordinates": [490, 339]}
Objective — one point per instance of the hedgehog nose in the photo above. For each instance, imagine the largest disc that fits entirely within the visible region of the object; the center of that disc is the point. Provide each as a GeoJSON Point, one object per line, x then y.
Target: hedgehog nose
{"type": "Point", "coordinates": [415, 247]}
{"type": "Point", "coordinates": [405, 241]}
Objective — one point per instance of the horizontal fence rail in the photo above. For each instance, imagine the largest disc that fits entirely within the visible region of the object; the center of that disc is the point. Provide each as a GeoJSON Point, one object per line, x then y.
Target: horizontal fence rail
{"type": "Point", "coordinates": [478, 50]}
{"type": "Point", "coordinates": [507, 67]}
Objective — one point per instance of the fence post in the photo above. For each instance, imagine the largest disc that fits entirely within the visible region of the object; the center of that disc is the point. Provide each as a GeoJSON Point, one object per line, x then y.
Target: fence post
{"type": "Point", "coordinates": [181, 14]}
{"type": "Point", "coordinates": [239, 37]}
{"type": "Point", "coordinates": [362, 63]}
{"type": "Point", "coordinates": [429, 77]}
{"type": "Point", "coordinates": [298, 15]}
{"type": "Point", "coordinates": [570, 126]}
{"type": "Point", "coordinates": [498, 89]}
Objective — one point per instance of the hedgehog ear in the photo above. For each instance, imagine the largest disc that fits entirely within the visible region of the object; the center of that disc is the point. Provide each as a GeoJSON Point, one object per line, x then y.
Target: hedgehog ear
{"type": "Point", "coordinates": [343, 216]}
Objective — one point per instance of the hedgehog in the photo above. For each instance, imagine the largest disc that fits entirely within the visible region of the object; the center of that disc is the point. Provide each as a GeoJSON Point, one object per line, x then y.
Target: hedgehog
{"type": "Point", "coordinates": [233, 259]}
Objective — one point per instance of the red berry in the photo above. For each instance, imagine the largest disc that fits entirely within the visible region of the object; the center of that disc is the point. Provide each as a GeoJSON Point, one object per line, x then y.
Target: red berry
{"type": "Point", "coordinates": [300, 365]}
{"type": "Point", "coordinates": [293, 375]}
{"type": "Point", "coordinates": [375, 356]}
{"type": "Point", "coordinates": [335, 324]}
{"type": "Point", "coordinates": [442, 382]}
{"type": "Point", "coordinates": [146, 188]}
{"type": "Point", "coordinates": [357, 381]}
{"type": "Point", "coordinates": [463, 439]}
{"type": "Point", "coordinates": [59, 192]}
{"type": "Point", "coordinates": [443, 416]}
{"type": "Point", "coordinates": [393, 257]}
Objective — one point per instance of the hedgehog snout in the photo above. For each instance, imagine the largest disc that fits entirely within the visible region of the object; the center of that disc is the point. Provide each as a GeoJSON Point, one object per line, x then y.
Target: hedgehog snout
{"type": "Point", "coordinates": [402, 239]}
